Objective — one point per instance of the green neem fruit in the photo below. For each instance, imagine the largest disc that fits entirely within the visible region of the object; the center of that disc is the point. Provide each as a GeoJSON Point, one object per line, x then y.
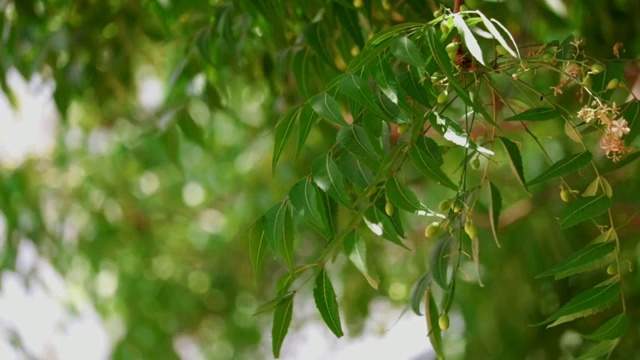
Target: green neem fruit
{"type": "Point", "coordinates": [442, 97]}
{"type": "Point", "coordinates": [471, 229]}
{"type": "Point", "coordinates": [445, 205]}
{"type": "Point", "coordinates": [565, 195]}
{"type": "Point", "coordinates": [432, 230]}
{"type": "Point", "coordinates": [388, 208]}
{"type": "Point", "coordinates": [444, 27]}
{"type": "Point", "coordinates": [475, 164]}
{"type": "Point", "coordinates": [403, 128]}
{"type": "Point", "coordinates": [443, 321]}
{"type": "Point", "coordinates": [456, 206]}
{"type": "Point", "coordinates": [612, 269]}
{"type": "Point", "coordinates": [613, 83]}
{"type": "Point", "coordinates": [452, 47]}
{"type": "Point", "coordinates": [501, 50]}
{"type": "Point", "coordinates": [597, 68]}
{"type": "Point", "coordinates": [464, 8]}
{"type": "Point", "coordinates": [587, 81]}
{"type": "Point", "coordinates": [437, 13]}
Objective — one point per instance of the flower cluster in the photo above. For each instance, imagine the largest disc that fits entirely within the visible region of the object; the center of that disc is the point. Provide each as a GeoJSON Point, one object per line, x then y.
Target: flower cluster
{"type": "Point", "coordinates": [615, 129]}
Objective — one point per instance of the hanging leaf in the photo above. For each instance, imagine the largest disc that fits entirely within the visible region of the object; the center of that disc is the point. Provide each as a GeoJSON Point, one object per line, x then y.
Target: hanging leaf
{"type": "Point", "coordinates": [600, 349]}
{"type": "Point", "coordinates": [418, 292]}
{"type": "Point", "coordinates": [328, 177]}
{"type": "Point", "coordinates": [610, 330]}
{"type": "Point", "coordinates": [587, 303]}
{"type": "Point", "coordinates": [626, 160]}
{"type": "Point", "coordinates": [537, 114]}
{"type": "Point", "coordinates": [355, 171]}
{"type": "Point", "coordinates": [306, 118]}
{"type": "Point", "coordinates": [405, 50]}
{"type": "Point", "coordinates": [355, 139]}
{"type": "Point", "coordinates": [190, 129]}
{"type": "Point", "coordinates": [430, 168]}
{"type": "Point", "coordinates": [589, 258]}
{"type": "Point", "coordinates": [325, 298]}
{"type": "Point", "coordinates": [257, 246]}
{"type": "Point", "coordinates": [439, 260]}
{"type": "Point", "coordinates": [382, 225]}
{"type": "Point", "coordinates": [281, 321]}
{"type": "Point", "coordinates": [385, 79]}
{"type": "Point", "coordinates": [356, 251]}
{"type": "Point", "coordinates": [301, 69]}
{"type": "Point", "coordinates": [496, 35]}
{"type": "Point", "coordinates": [402, 197]}
{"type": "Point", "coordinates": [416, 89]}
{"type": "Point", "coordinates": [348, 18]}
{"type": "Point", "coordinates": [515, 159]}
{"type": "Point", "coordinates": [284, 128]}
{"type": "Point", "coordinates": [506, 31]}
{"type": "Point", "coordinates": [317, 41]}
{"type": "Point", "coordinates": [495, 206]}
{"type": "Point", "coordinates": [305, 197]}
{"type": "Point", "coordinates": [469, 40]}
{"type": "Point", "coordinates": [270, 305]}
{"type": "Point", "coordinates": [434, 332]}
{"type": "Point", "coordinates": [327, 107]}
{"type": "Point", "coordinates": [431, 148]}
{"type": "Point", "coordinates": [563, 167]}
{"type": "Point", "coordinates": [584, 209]}
{"type": "Point", "coordinates": [453, 132]}
{"type": "Point", "coordinates": [278, 223]}
{"type": "Point", "coordinates": [358, 89]}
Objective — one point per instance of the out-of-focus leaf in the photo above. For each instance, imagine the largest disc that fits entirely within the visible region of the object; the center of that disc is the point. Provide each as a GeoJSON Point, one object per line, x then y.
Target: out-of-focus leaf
{"type": "Point", "coordinates": [469, 40]}
{"type": "Point", "coordinates": [417, 293]}
{"type": "Point", "coordinates": [439, 260]}
{"type": "Point", "coordinates": [402, 197]}
{"type": "Point", "coordinates": [354, 138]}
{"type": "Point", "coordinates": [382, 225]}
{"type": "Point", "coordinates": [314, 36]}
{"type": "Point", "coordinates": [589, 258]}
{"type": "Point", "coordinates": [327, 107]}
{"type": "Point", "coordinates": [349, 20]}
{"type": "Point", "coordinates": [515, 159]}
{"type": "Point", "coordinates": [495, 206]}
{"type": "Point", "coordinates": [610, 330]}
{"type": "Point", "coordinates": [405, 50]}
{"type": "Point", "coordinates": [284, 128]}
{"type": "Point", "coordinates": [257, 246]}
{"type": "Point", "coordinates": [203, 43]}
{"type": "Point", "coordinates": [171, 141]}
{"type": "Point", "coordinates": [325, 298]}
{"type": "Point", "coordinates": [358, 89]}
{"type": "Point", "coordinates": [434, 332]}
{"type": "Point", "coordinates": [356, 251]}
{"type": "Point", "coordinates": [281, 321]}
{"type": "Point", "coordinates": [300, 64]}
{"type": "Point", "coordinates": [587, 303]}
{"type": "Point", "coordinates": [328, 177]}
{"type": "Point", "coordinates": [628, 159]}
{"type": "Point", "coordinates": [632, 115]}
{"type": "Point", "coordinates": [563, 167]}
{"type": "Point", "coordinates": [430, 168]}
{"type": "Point", "coordinates": [583, 209]}
{"type": "Point", "coordinates": [190, 129]}
{"type": "Point", "coordinates": [271, 304]}
{"type": "Point", "coordinates": [600, 349]}
{"type": "Point", "coordinates": [536, 114]}
{"type": "Point", "coordinates": [306, 119]}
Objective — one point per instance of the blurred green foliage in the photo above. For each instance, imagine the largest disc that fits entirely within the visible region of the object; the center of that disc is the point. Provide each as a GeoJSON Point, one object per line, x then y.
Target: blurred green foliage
{"type": "Point", "coordinates": [159, 195]}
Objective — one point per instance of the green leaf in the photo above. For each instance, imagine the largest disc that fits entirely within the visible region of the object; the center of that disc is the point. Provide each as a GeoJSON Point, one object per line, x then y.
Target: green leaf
{"type": "Point", "coordinates": [583, 209]}
{"type": "Point", "coordinates": [632, 115]}
{"type": "Point", "coordinates": [610, 330]}
{"type": "Point", "coordinates": [600, 349]}
{"type": "Point", "coordinates": [355, 171]}
{"type": "Point", "coordinates": [405, 50]}
{"type": "Point", "coordinates": [203, 43]}
{"type": "Point", "coordinates": [418, 90]}
{"type": "Point", "coordinates": [626, 160]}
{"type": "Point", "coordinates": [382, 225]}
{"type": "Point", "coordinates": [431, 148]}
{"type": "Point", "coordinates": [589, 258]}
{"type": "Point", "coordinates": [434, 332]}
{"type": "Point", "coordinates": [385, 78]}
{"type": "Point", "coordinates": [328, 177]}
{"type": "Point", "coordinates": [402, 197]}
{"type": "Point", "coordinates": [358, 89]}
{"type": "Point", "coordinates": [281, 321]}
{"type": "Point", "coordinates": [317, 41]}
{"type": "Point", "coordinates": [301, 68]}
{"type": "Point", "coordinates": [587, 303]}
{"type": "Point", "coordinates": [307, 118]}
{"type": "Point", "coordinates": [327, 107]}
{"type": "Point", "coordinates": [355, 139]}
{"type": "Point", "coordinates": [278, 223]}
{"type": "Point", "coordinates": [496, 35]}
{"type": "Point", "coordinates": [356, 251]}
{"type": "Point", "coordinates": [271, 304]}
{"type": "Point", "coordinates": [563, 167]}
{"type": "Point", "coordinates": [190, 129]}
{"type": "Point", "coordinates": [417, 293]}
{"type": "Point", "coordinates": [171, 140]}
{"type": "Point", "coordinates": [439, 260]}
{"type": "Point", "coordinates": [536, 114]}
{"type": "Point", "coordinates": [284, 128]}
{"type": "Point", "coordinates": [515, 159]}
{"type": "Point", "coordinates": [454, 133]}
{"type": "Point", "coordinates": [430, 168]}
{"type": "Point", "coordinates": [393, 31]}
{"type": "Point", "coordinates": [257, 246]}
{"type": "Point", "coordinates": [306, 197]}
{"type": "Point", "coordinates": [469, 40]}
{"type": "Point", "coordinates": [495, 206]}
{"type": "Point", "coordinates": [326, 303]}
{"type": "Point", "coordinates": [513, 41]}
{"type": "Point", "coordinates": [348, 18]}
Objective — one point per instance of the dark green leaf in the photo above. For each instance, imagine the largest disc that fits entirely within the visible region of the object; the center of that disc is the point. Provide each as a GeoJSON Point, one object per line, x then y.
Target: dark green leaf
{"type": "Point", "coordinates": [301, 69]}
{"type": "Point", "coordinates": [171, 141]}
{"type": "Point", "coordinates": [281, 321]}
{"type": "Point", "coordinates": [626, 160]}
{"type": "Point", "coordinates": [278, 223]}
{"type": "Point", "coordinates": [348, 18]}
{"type": "Point", "coordinates": [590, 257]}
{"type": "Point", "coordinates": [307, 118]}
{"type": "Point", "coordinates": [273, 303]}
{"type": "Point", "coordinates": [356, 251]}
{"type": "Point", "coordinates": [430, 168]}
{"type": "Point", "coordinates": [434, 332]}
{"type": "Point", "coordinates": [305, 197]}
{"type": "Point", "coordinates": [314, 36]}
{"type": "Point", "coordinates": [600, 349]}
{"type": "Point", "coordinates": [392, 112]}
{"type": "Point", "coordinates": [632, 115]}
{"type": "Point", "coordinates": [203, 43]}
{"type": "Point", "coordinates": [327, 107]}
{"type": "Point", "coordinates": [417, 293]}
{"type": "Point", "coordinates": [355, 170]}
{"type": "Point", "coordinates": [453, 132]}
{"type": "Point", "coordinates": [402, 197]}
{"type": "Point", "coordinates": [284, 128]}
{"type": "Point", "coordinates": [325, 298]}
{"type": "Point", "coordinates": [469, 40]}
{"type": "Point", "coordinates": [537, 114]}
{"type": "Point", "coordinates": [515, 160]}
{"type": "Point", "coordinates": [328, 177]}
{"type": "Point", "coordinates": [393, 31]}
{"type": "Point", "coordinates": [495, 206]}
{"type": "Point", "coordinates": [257, 246]}
{"type": "Point", "coordinates": [190, 129]}
{"type": "Point", "coordinates": [355, 139]}
{"type": "Point", "coordinates": [439, 260]}
{"type": "Point", "coordinates": [405, 50]}
{"type": "Point", "coordinates": [610, 330]}
{"type": "Point", "coordinates": [417, 89]}
{"type": "Point", "coordinates": [431, 148]}
{"type": "Point", "coordinates": [385, 78]}
{"type": "Point", "coordinates": [563, 167]}
{"type": "Point", "coordinates": [587, 303]}
{"type": "Point", "coordinates": [358, 89]}
{"type": "Point", "coordinates": [382, 225]}
{"type": "Point", "coordinates": [583, 209]}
